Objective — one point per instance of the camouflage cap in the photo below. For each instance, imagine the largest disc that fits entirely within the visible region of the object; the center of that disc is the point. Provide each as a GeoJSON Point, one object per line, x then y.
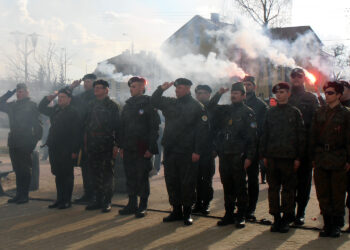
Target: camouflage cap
{"type": "Point", "coordinates": [90, 77]}
{"type": "Point", "coordinates": [182, 81]}
{"type": "Point", "coordinates": [249, 79]}
{"type": "Point", "coordinates": [338, 86]}
{"type": "Point", "coordinates": [281, 85]}
{"type": "Point", "coordinates": [21, 86]}
{"type": "Point", "coordinates": [203, 87]}
{"type": "Point", "coordinates": [238, 86]}
{"type": "Point", "coordinates": [101, 82]}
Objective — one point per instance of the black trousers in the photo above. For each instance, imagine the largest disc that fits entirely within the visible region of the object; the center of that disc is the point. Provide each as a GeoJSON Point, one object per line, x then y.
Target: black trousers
{"type": "Point", "coordinates": [303, 189]}
{"type": "Point", "coordinates": [180, 178]}
{"type": "Point", "coordinates": [233, 179]}
{"type": "Point", "coordinates": [21, 159]}
{"type": "Point", "coordinates": [137, 170]}
{"type": "Point", "coordinates": [62, 167]}
{"type": "Point", "coordinates": [206, 171]}
{"type": "Point", "coordinates": [86, 174]}
{"type": "Point", "coordinates": [253, 185]}
{"type": "Point", "coordinates": [348, 191]}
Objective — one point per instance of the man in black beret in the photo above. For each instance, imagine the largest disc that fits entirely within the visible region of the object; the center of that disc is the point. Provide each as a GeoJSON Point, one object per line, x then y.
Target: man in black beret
{"type": "Point", "coordinates": [80, 102]}
{"type": "Point", "coordinates": [25, 132]}
{"type": "Point", "coordinates": [330, 154]}
{"type": "Point", "coordinates": [184, 139]}
{"type": "Point", "coordinates": [102, 133]}
{"type": "Point", "coordinates": [260, 108]}
{"type": "Point", "coordinates": [236, 148]}
{"type": "Point", "coordinates": [282, 145]}
{"type": "Point", "coordinates": [138, 143]}
{"type": "Point", "coordinates": [63, 143]}
{"type": "Point", "coordinates": [307, 103]}
{"type": "Point", "coordinates": [206, 164]}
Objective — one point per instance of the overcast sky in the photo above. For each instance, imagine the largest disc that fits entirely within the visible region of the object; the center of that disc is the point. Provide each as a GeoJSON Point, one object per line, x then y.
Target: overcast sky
{"type": "Point", "coordinates": [94, 30]}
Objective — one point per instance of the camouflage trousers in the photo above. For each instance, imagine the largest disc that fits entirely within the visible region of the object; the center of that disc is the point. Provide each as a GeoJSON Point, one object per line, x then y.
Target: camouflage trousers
{"type": "Point", "coordinates": [137, 170]}
{"type": "Point", "coordinates": [180, 178]}
{"type": "Point", "coordinates": [233, 179]}
{"type": "Point", "coordinates": [331, 190]}
{"type": "Point", "coordinates": [101, 166]}
{"type": "Point", "coordinates": [280, 174]}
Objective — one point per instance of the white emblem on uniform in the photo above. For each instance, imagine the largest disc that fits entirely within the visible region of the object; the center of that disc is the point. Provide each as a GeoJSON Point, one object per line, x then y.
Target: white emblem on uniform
{"type": "Point", "coordinates": [141, 111]}
{"type": "Point", "coordinates": [205, 118]}
{"type": "Point", "coordinates": [253, 125]}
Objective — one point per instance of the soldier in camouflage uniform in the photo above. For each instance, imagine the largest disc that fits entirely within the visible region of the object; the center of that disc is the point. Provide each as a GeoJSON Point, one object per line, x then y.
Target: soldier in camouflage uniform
{"type": "Point", "coordinates": [307, 103]}
{"type": "Point", "coordinates": [282, 145]}
{"type": "Point", "coordinates": [330, 152]}
{"type": "Point", "coordinates": [138, 143]}
{"type": "Point", "coordinates": [63, 143]}
{"type": "Point", "coordinates": [81, 103]}
{"type": "Point", "coordinates": [236, 126]}
{"type": "Point", "coordinates": [206, 164]}
{"type": "Point", "coordinates": [259, 107]}
{"type": "Point", "coordinates": [185, 131]}
{"type": "Point", "coordinates": [102, 138]}
{"type": "Point", "coordinates": [25, 132]}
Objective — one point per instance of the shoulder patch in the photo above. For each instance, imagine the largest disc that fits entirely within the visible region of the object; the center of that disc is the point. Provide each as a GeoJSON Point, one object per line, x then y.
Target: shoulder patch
{"type": "Point", "coordinates": [204, 118]}
{"type": "Point", "coordinates": [253, 125]}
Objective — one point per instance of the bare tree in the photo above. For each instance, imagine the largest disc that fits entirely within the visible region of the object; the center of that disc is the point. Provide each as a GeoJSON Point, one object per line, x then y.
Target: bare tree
{"type": "Point", "coordinates": [266, 12]}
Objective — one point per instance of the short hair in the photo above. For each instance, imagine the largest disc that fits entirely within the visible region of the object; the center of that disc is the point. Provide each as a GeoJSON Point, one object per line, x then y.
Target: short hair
{"type": "Point", "coordinates": [101, 82]}
{"type": "Point", "coordinates": [137, 79]}
{"type": "Point", "coordinates": [338, 86]}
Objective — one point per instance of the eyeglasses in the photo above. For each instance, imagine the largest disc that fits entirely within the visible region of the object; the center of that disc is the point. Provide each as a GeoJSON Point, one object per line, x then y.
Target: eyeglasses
{"type": "Point", "coordinates": [296, 75]}
{"type": "Point", "coordinates": [329, 93]}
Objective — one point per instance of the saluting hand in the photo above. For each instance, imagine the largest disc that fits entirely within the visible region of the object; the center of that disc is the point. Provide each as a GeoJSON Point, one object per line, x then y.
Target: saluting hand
{"type": "Point", "coordinates": [223, 90]}
{"type": "Point", "coordinates": [195, 157]}
{"type": "Point", "coordinates": [53, 96]}
{"type": "Point", "coordinates": [167, 85]}
{"type": "Point", "coordinates": [75, 84]}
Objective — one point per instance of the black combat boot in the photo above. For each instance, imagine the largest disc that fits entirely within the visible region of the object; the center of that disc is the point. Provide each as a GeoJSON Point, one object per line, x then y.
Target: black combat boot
{"type": "Point", "coordinates": [106, 205]}
{"type": "Point", "coordinates": [18, 191]}
{"type": "Point", "coordinates": [206, 208]}
{"type": "Point", "coordinates": [131, 207]}
{"type": "Point", "coordinates": [250, 216]}
{"type": "Point", "coordinates": [227, 219]}
{"type": "Point", "coordinates": [24, 193]}
{"type": "Point", "coordinates": [337, 224]}
{"type": "Point", "coordinates": [188, 221]}
{"type": "Point", "coordinates": [142, 209]}
{"type": "Point", "coordinates": [300, 218]}
{"type": "Point", "coordinates": [276, 223]}
{"type": "Point", "coordinates": [284, 225]}
{"type": "Point", "coordinates": [197, 208]}
{"type": "Point", "coordinates": [175, 215]}
{"type": "Point", "coordinates": [84, 199]}
{"type": "Point", "coordinates": [348, 230]}
{"type": "Point", "coordinates": [95, 203]}
{"type": "Point", "coordinates": [240, 220]}
{"type": "Point", "coordinates": [326, 231]}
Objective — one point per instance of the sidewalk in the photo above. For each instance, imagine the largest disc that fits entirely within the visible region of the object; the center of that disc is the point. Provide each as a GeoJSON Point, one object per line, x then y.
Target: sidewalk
{"type": "Point", "coordinates": [34, 226]}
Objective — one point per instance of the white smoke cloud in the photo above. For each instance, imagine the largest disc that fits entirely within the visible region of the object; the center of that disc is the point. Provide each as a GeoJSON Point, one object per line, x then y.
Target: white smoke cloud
{"type": "Point", "coordinates": [109, 71]}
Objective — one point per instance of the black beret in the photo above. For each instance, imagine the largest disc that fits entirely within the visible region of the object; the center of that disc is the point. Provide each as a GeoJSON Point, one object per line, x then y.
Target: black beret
{"type": "Point", "coordinates": [297, 71]}
{"type": "Point", "coordinates": [21, 86]}
{"type": "Point", "coordinates": [137, 79]}
{"type": "Point", "coordinates": [182, 81]}
{"type": "Point", "coordinates": [281, 85]}
{"type": "Point", "coordinates": [90, 77]}
{"type": "Point", "coordinates": [249, 79]}
{"type": "Point", "coordinates": [238, 86]}
{"type": "Point", "coordinates": [66, 91]}
{"type": "Point", "coordinates": [338, 86]}
{"type": "Point", "coordinates": [203, 87]}
{"type": "Point", "coordinates": [101, 82]}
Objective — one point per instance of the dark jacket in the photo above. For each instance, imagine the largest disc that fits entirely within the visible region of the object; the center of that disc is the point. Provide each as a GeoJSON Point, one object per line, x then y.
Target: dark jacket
{"type": "Point", "coordinates": [283, 133]}
{"type": "Point", "coordinates": [64, 129]}
{"type": "Point", "coordinates": [330, 137]}
{"type": "Point", "coordinates": [306, 102]}
{"type": "Point", "coordinates": [236, 128]}
{"type": "Point", "coordinates": [139, 125]}
{"type": "Point", "coordinates": [25, 126]}
{"type": "Point", "coordinates": [102, 127]}
{"type": "Point", "coordinates": [186, 123]}
{"type": "Point", "coordinates": [259, 107]}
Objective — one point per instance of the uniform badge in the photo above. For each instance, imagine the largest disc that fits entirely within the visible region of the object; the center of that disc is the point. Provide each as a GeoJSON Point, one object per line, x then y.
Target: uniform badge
{"type": "Point", "coordinates": [253, 125]}
{"type": "Point", "coordinates": [230, 122]}
{"type": "Point", "coordinates": [141, 111]}
{"type": "Point", "coordinates": [204, 118]}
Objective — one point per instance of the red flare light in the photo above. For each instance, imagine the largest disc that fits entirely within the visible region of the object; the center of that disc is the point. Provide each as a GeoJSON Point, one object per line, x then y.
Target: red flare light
{"type": "Point", "coordinates": [312, 79]}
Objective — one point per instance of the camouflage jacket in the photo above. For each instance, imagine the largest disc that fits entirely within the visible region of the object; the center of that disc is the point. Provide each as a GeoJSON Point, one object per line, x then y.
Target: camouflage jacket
{"type": "Point", "coordinates": [102, 127]}
{"type": "Point", "coordinates": [25, 126]}
{"type": "Point", "coordinates": [236, 128]}
{"type": "Point", "coordinates": [259, 107]}
{"type": "Point", "coordinates": [186, 123]}
{"type": "Point", "coordinates": [330, 137]}
{"type": "Point", "coordinates": [283, 133]}
{"type": "Point", "coordinates": [139, 125]}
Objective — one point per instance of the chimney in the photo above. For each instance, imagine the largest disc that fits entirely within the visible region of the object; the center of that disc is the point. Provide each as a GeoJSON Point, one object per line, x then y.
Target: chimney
{"type": "Point", "coordinates": [215, 17]}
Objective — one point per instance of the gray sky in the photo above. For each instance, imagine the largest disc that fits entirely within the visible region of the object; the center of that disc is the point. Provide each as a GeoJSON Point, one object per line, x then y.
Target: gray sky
{"type": "Point", "coordinates": [92, 30]}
